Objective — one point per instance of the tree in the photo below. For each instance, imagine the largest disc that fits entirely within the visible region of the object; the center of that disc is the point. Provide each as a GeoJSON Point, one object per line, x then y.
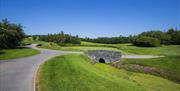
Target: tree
{"type": "Point", "coordinates": [145, 41]}
{"type": "Point", "coordinates": [10, 34]}
{"type": "Point", "coordinates": [175, 36]}
{"type": "Point", "coordinates": [162, 36]}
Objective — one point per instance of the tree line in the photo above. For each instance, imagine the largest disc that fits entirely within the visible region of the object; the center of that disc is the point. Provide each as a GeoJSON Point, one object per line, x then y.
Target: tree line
{"type": "Point", "coordinates": [11, 34]}
{"type": "Point", "coordinates": [149, 38]}
{"type": "Point", "coordinates": [110, 40]}
{"type": "Point", "coordinates": [59, 38]}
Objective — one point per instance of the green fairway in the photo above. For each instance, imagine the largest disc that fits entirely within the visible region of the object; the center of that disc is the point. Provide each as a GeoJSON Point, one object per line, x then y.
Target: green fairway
{"type": "Point", "coordinates": [129, 48]}
{"type": "Point", "coordinates": [162, 50]}
{"type": "Point", "coordinates": [16, 53]}
{"type": "Point", "coordinates": [76, 73]}
{"type": "Point", "coordinates": [86, 48]}
{"type": "Point", "coordinates": [55, 46]}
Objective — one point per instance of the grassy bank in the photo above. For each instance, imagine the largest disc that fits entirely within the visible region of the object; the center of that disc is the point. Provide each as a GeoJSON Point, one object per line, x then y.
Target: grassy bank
{"type": "Point", "coordinates": [76, 73]}
{"type": "Point", "coordinates": [17, 53]}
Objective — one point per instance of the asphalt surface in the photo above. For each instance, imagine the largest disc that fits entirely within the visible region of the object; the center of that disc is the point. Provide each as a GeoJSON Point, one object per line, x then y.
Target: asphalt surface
{"type": "Point", "coordinates": [19, 74]}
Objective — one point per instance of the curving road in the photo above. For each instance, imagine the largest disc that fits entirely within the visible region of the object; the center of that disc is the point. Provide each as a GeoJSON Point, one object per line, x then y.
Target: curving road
{"type": "Point", "coordinates": [19, 74]}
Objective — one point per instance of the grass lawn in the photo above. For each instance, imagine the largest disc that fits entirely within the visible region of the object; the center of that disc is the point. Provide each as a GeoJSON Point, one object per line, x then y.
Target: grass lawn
{"type": "Point", "coordinates": [76, 73]}
{"type": "Point", "coordinates": [55, 46]}
{"type": "Point", "coordinates": [17, 53]}
{"type": "Point", "coordinates": [162, 50]}
{"type": "Point", "coordinates": [170, 63]}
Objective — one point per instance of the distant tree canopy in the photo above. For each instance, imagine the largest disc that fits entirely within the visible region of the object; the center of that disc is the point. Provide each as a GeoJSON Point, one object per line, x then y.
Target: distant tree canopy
{"type": "Point", "coordinates": [172, 36]}
{"type": "Point", "coordinates": [59, 38]}
{"type": "Point", "coordinates": [10, 34]}
{"type": "Point", "coordinates": [110, 40]}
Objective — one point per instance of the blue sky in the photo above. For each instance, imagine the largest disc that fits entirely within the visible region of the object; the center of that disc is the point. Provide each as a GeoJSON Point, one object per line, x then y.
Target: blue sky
{"type": "Point", "coordinates": [92, 18]}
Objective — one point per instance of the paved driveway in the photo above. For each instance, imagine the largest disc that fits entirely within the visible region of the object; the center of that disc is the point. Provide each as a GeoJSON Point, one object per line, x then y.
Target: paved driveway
{"type": "Point", "coordinates": [19, 74]}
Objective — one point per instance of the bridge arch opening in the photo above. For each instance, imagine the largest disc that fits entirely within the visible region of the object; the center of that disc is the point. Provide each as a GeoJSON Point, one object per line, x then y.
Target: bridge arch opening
{"type": "Point", "coordinates": [101, 60]}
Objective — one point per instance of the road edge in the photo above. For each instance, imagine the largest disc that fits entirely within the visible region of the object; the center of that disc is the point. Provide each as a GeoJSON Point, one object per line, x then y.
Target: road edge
{"type": "Point", "coordinates": [38, 69]}
{"type": "Point", "coordinates": [37, 74]}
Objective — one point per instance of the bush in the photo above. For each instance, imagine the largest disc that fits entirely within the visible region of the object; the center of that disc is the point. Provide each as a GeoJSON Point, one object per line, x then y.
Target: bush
{"type": "Point", "coordinates": [145, 41]}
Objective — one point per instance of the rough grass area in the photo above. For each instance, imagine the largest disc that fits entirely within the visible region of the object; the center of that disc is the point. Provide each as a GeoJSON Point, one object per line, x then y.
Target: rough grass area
{"type": "Point", "coordinates": [17, 53]}
{"type": "Point", "coordinates": [76, 73]}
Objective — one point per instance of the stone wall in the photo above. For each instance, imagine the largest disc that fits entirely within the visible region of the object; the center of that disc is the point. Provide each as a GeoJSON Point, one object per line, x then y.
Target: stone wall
{"type": "Point", "coordinates": [107, 56]}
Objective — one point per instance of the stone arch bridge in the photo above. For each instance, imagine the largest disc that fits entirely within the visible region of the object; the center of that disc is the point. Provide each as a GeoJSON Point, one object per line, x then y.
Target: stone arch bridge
{"type": "Point", "coordinates": [104, 56]}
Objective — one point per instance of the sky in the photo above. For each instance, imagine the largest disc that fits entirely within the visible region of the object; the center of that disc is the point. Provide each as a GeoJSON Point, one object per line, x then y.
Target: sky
{"type": "Point", "coordinates": [92, 18]}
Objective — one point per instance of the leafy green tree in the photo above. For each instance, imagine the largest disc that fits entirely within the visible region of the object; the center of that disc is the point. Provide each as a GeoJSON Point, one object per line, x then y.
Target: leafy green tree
{"type": "Point", "coordinates": [162, 36]}
{"type": "Point", "coordinates": [10, 34]}
{"type": "Point", "coordinates": [175, 36]}
{"type": "Point", "coordinates": [146, 41]}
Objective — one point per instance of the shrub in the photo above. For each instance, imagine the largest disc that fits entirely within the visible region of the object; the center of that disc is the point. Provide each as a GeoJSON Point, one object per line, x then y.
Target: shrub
{"type": "Point", "coordinates": [145, 41]}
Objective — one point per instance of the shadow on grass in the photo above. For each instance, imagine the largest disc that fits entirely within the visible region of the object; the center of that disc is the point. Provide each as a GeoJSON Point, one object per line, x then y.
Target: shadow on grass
{"type": "Point", "coordinates": [1, 52]}
{"type": "Point", "coordinates": [21, 48]}
{"type": "Point", "coordinates": [14, 48]}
